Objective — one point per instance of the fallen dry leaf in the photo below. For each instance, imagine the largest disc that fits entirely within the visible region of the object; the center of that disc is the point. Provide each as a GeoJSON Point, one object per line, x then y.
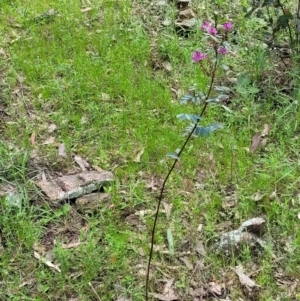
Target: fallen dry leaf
{"type": "Point", "coordinates": [198, 292]}
{"type": "Point", "coordinates": [167, 66]}
{"type": "Point", "coordinates": [123, 299]}
{"type": "Point", "coordinates": [52, 127]}
{"type": "Point", "coordinates": [86, 9]}
{"type": "Point", "coordinates": [168, 208]}
{"type": "Point", "coordinates": [244, 279]}
{"type": "Point", "coordinates": [168, 293]}
{"type": "Point", "coordinates": [257, 196]}
{"type": "Point", "coordinates": [187, 262]}
{"type": "Point", "coordinates": [105, 96]}
{"type": "Point", "coordinates": [71, 245]}
{"type": "Point", "coordinates": [142, 213]}
{"type": "Point", "coordinates": [215, 288]}
{"type": "Point", "coordinates": [49, 140]}
{"type": "Point", "coordinates": [273, 196]}
{"type": "Point", "coordinates": [255, 143]}
{"type": "Point", "coordinates": [199, 228]}
{"type": "Point", "coordinates": [137, 158]}
{"type": "Point", "coordinates": [266, 130]}
{"type": "Point", "coordinates": [32, 138]}
{"type": "Point", "coordinates": [260, 139]}
{"type": "Point", "coordinates": [62, 150]}
{"type": "Point", "coordinates": [152, 184]}
{"type": "Point", "coordinates": [46, 262]}
{"type": "Point", "coordinates": [28, 282]}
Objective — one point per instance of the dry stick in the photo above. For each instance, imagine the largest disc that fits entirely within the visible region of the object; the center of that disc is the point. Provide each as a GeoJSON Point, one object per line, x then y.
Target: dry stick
{"type": "Point", "coordinates": [170, 171]}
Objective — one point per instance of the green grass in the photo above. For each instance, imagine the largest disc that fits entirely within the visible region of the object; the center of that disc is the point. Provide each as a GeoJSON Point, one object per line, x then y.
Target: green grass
{"type": "Point", "coordinates": [90, 73]}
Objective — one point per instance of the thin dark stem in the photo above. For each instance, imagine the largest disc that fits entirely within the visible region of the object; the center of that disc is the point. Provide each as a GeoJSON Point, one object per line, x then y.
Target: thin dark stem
{"type": "Point", "coordinates": [289, 27]}
{"type": "Point", "coordinates": [170, 171]}
{"type": "Point", "coordinates": [297, 25]}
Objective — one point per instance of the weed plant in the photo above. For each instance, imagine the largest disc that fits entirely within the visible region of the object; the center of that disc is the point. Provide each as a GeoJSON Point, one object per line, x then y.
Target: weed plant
{"type": "Point", "coordinates": [86, 67]}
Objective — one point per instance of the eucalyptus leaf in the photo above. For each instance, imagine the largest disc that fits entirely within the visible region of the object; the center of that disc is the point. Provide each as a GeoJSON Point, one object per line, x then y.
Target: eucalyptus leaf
{"type": "Point", "coordinates": [201, 131]}
{"type": "Point", "coordinates": [173, 156]}
{"type": "Point", "coordinates": [190, 117]}
{"type": "Point", "coordinates": [196, 98]}
{"type": "Point", "coordinates": [222, 88]}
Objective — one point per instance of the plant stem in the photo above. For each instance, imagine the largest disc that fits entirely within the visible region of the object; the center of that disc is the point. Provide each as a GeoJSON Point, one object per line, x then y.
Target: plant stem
{"type": "Point", "coordinates": [170, 171]}
{"type": "Point", "coordinates": [297, 27]}
{"type": "Point", "coordinates": [288, 26]}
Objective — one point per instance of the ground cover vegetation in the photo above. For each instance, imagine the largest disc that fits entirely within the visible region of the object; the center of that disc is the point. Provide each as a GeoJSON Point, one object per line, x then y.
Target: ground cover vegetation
{"type": "Point", "coordinates": [105, 80]}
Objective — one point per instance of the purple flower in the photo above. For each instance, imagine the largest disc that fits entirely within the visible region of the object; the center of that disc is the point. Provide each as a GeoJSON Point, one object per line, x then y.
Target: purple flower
{"type": "Point", "coordinates": [205, 26]}
{"type": "Point", "coordinates": [213, 31]}
{"type": "Point", "coordinates": [222, 50]}
{"type": "Point", "coordinates": [227, 26]}
{"type": "Point", "coordinates": [197, 56]}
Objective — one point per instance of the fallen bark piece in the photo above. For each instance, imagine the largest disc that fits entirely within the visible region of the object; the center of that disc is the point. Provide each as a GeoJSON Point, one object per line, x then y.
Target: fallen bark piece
{"type": "Point", "coordinates": [254, 225]}
{"type": "Point", "coordinates": [247, 234]}
{"type": "Point", "coordinates": [74, 186]}
{"type": "Point", "coordinates": [51, 189]}
{"type": "Point", "coordinates": [231, 242]}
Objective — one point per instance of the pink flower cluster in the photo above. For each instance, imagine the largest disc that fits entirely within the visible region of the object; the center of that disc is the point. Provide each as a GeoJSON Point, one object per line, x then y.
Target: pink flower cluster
{"type": "Point", "coordinates": [222, 50]}
{"type": "Point", "coordinates": [227, 26]}
{"type": "Point", "coordinates": [199, 56]}
{"type": "Point", "coordinates": [207, 27]}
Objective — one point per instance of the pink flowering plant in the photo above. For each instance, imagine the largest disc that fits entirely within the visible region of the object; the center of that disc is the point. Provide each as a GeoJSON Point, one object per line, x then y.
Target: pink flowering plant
{"type": "Point", "coordinates": [215, 37]}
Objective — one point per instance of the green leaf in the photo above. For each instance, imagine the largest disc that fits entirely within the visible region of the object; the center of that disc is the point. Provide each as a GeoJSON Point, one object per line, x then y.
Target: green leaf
{"type": "Point", "coordinates": [225, 67]}
{"type": "Point", "coordinates": [222, 88]}
{"type": "Point", "coordinates": [193, 96]}
{"type": "Point", "coordinates": [190, 117]}
{"type": "Point", "coordinates": [283, 21]}
{"type": "Point", "coordinates": [201, 131]}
